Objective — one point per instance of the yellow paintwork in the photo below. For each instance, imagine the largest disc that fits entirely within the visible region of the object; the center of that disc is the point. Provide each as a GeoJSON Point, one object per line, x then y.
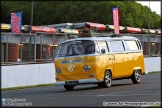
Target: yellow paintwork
{"type": "Point", "coordinates": [121, 65]}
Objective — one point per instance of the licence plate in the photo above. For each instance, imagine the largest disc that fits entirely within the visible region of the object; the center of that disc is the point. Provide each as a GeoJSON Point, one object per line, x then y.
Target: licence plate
{"type": "Point", "coordinates": [71, 82]}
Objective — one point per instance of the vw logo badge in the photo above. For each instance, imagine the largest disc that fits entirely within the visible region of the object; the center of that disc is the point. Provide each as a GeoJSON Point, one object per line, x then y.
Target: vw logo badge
{"type": "Point", "coordinates": [71, 68]}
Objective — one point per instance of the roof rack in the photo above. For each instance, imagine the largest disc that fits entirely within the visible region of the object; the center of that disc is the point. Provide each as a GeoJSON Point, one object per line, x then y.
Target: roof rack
{"type": "Point", "coordinates": [112, 34]}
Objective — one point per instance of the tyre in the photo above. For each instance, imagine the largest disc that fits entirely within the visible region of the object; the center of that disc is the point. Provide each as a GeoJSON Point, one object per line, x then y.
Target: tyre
{"type": "Point", "coordinates": [107, 79]}
{"type": "Point", "coordinates": [136, 76]}
{"type": "Point", "coordinates": [100, 84]}
{"type": "Point", "coordinates": [69, 87]}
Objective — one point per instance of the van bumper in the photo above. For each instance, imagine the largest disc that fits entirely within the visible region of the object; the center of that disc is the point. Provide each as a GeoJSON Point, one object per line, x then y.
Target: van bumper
{"type": "Point", "coordinates": [145, 73]}
{"type": "Point", "coordinates": [82, 81]}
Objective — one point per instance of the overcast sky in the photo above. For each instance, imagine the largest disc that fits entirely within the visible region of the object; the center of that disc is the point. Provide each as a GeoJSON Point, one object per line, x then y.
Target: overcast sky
{"type": "Point", "coordinates": [154, 5]}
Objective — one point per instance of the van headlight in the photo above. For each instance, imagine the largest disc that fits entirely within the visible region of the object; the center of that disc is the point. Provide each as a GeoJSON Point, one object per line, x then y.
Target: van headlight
{"type": "Point", "coordinates": [87, 68]}
{"type": "Point", "coordinates": [58, 70]}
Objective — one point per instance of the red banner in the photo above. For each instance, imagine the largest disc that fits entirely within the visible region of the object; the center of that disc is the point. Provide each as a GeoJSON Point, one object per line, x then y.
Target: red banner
{"type": "Point", "coordinates": [16, 22]}
{"type": "Point", "coordinates": [116, 20]}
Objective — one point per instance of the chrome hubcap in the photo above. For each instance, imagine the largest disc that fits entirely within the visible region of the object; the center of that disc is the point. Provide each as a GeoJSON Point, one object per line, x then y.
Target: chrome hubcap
{"type": "Point", "coordinates": [137, 75]}
{"type": "Point", "coordinates": [108, 79]}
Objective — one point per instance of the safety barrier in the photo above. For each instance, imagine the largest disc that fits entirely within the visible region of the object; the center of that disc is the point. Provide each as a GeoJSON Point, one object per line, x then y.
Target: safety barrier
{"type": "Point", "coordinates": [34, 74]}
{"type": "Point", "coordinates": [153, 64]}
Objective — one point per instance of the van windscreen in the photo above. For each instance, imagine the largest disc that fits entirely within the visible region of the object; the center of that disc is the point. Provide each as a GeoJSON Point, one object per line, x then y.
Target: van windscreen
{"type": "Point", "coordinates": [74, 48]}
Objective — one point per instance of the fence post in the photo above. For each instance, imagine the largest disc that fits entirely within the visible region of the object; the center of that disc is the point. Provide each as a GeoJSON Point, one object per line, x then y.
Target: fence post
{"type": "Point", "coordinates": [149, 44]}
{"type": "Point", "coordinates": [21, 47]}
{"type": "Point", "coordinates": [143, 42]}
{"type": "Point", "coordinates": [35, 48]}
{"type": "Point", "coordinates": [65, 36]}
{"type": "Point", "coordinates": [41, 46]}
{"type": "Point", "coordinates": [53, 48]}
{"type": "Point", "coordinates": [159, 45]}
{"type": "Point", "coordinates": [30, 46]}
{"type": "Point", "coordinates": [6, 48]}
{"type": "Point", "coordinates": [154, 44]}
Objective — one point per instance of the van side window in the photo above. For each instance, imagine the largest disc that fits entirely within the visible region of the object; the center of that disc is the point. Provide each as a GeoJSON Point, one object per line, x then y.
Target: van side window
{"type": "Point", "coordinates": [88, 46]}
{"type": "Point", "coordinates": [102, 45]}
{"type": "Point", "coordinates": [130, 45]}
{"type": "Point", "coordinates": [116, 46]}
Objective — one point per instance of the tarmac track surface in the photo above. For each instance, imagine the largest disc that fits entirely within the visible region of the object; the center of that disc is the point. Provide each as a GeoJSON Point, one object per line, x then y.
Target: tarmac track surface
{"type": "Point", "coordinates": [92, 95]}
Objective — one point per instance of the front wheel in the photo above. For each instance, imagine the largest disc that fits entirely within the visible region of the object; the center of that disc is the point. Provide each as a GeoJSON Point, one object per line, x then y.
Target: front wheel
{"type": "Point", "coordinates": [136, 76]}
{"type": "Point", "coordinates": [100, 84]}
{"type": "Point", "coordinates": [69, 87]}
{"type": "Point", "coordinates": [107, 79]}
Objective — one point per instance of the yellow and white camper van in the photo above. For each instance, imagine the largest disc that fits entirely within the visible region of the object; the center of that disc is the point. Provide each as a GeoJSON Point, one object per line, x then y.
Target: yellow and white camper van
{"type": "Point", "coordinates": [99, 60]}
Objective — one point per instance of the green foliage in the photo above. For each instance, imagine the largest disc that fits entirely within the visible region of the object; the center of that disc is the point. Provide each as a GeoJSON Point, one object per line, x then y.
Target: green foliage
{"type": "Point", "coordinates": [53, 12]}
{"type": "Point", "coordinates": [25, 87]}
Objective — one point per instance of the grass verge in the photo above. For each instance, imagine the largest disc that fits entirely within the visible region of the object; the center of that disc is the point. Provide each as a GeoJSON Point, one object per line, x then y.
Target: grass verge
{"type": "Point", "coordinates": [157, 106]}
{"type": "Point", "coordinates": [24, 87]}
{"type": "Point", "coordinates": [154, 72]}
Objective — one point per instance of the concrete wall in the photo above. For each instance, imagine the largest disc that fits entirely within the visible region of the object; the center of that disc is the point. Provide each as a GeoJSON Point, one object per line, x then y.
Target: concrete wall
{"type": "Point", "coordinates": [25, 75]}
{"type": "Point", "coordinates": [153, 64]}
{"type": "Point", "coordinates": [33, 74]}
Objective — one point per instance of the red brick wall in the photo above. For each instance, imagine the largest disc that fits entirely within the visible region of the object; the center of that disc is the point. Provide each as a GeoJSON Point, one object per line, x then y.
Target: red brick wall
{"type": "Point", "coordinates": [38, 51]}
{"type": "Point", "coordinates": [13, 52]}
{"type": "Point", "coordinates": [145, 49]}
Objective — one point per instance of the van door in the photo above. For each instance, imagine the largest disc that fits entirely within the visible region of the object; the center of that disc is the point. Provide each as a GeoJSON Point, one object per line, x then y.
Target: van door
{"type": "Point", "coordinates": [133, 55]}
{"type": "Point", "coordinates": [119, 58]}
{"type": "Point", "coordinates": [104, 62]}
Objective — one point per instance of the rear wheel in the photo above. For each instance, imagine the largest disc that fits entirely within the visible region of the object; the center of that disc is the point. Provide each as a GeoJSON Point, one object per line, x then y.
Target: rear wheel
{"type": "Point", "coordinates": [69, 87]}
{"type": "Point", "coordinates": [107, 79]}
{"type": "Point", "coordinates": [136, 76]}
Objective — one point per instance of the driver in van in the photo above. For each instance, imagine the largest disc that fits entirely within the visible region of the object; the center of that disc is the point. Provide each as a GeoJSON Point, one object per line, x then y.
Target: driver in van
{"type": "Point", "coordinates": [86, 32]}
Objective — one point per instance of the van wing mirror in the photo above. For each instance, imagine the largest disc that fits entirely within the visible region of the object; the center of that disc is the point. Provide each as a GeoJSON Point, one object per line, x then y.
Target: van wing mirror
{"type": "Point", "coordinates": [103, 50]}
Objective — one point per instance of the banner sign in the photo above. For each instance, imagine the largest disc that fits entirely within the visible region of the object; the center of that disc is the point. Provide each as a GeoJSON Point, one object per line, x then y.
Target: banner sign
{"type": "Point", "coordinates": [16, 22]}
{"type": "Point", "coordinates": [116, 20]}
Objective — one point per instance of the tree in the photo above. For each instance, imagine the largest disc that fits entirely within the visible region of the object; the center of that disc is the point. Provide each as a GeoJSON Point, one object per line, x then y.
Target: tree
{"type": "Point", "coordinates": [129, 20]}
{"type": "Point", "coordinates": [53, 12]}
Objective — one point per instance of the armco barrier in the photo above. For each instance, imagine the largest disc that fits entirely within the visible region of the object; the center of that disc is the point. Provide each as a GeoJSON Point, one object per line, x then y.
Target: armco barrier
{"type": "Point", "coordinates": [34, 74]}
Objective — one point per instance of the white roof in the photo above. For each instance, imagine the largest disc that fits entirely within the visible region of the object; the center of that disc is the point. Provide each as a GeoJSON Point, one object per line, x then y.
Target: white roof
{"type": "Point", "coordinates": [101, 38]}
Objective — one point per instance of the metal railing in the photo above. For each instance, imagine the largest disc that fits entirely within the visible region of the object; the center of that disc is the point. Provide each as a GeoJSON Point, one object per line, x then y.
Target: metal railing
{"type": "Point", "coordinates": [41, 47]}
